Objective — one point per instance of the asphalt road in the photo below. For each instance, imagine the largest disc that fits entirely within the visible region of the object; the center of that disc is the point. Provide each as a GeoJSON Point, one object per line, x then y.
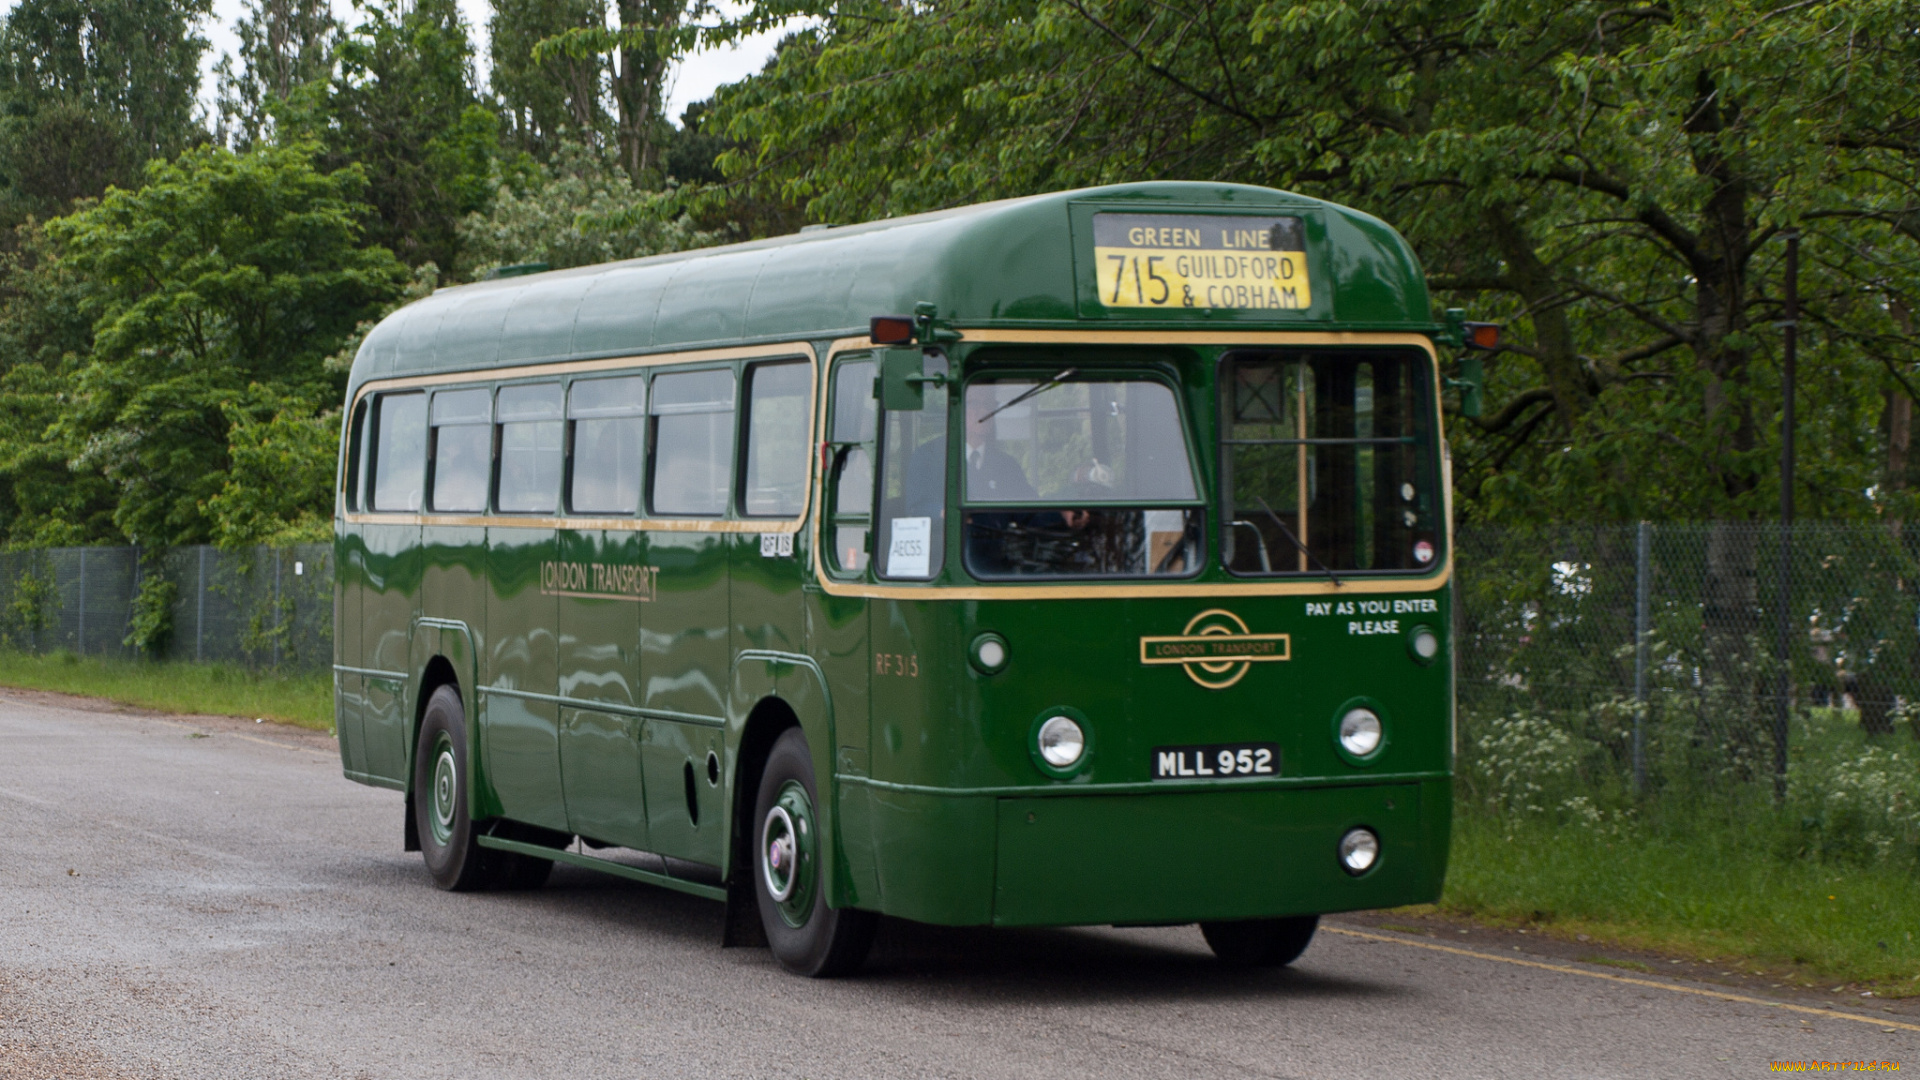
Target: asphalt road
{"type": "Point", "coordinates": [208, 898]}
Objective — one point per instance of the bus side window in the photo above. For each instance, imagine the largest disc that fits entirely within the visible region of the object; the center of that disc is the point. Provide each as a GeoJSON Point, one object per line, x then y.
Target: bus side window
{"type": "Point", "coordinates": [609, 419]}
{"type": "Point", "coordinates": [850, 494]}
{"type": "Point", "coordinates": [356, 448]}
{"type": "Point", "coordinates": [691, 464]}
{"type": "Point", "coordinates": [532, 429]}
{"type": "Point", "coordinates": [462, 449]}
{"type": "Point", "coordinates": [399, 451]}
{"type": "Point", "coordinates": [778, 426]}
{"type": "Point", "coordinates": [913, 491]}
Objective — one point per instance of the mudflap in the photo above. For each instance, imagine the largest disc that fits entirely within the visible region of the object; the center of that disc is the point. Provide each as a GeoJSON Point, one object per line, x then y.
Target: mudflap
{"type": "Point", "coordinates": [743, 929]}
{"type": "Point", "coordinates": [411, 828]}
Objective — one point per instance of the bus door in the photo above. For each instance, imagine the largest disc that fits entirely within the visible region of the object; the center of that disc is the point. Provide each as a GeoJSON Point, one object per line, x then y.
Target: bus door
{"type": "Point", "coordinates": [350, 582]}
{"type": "Point", "coordinates": [391, 593]}
{"type": "Point", "coordinates": [766, 607]}
{"type": "Point", "coordinates": [520, 720]}
{"type": "Point", "coordinates": [602, 581]}
{"type": "Point", "coordinates": [837, 625]}
{"type": "Point", "coordinates": [685, 628]}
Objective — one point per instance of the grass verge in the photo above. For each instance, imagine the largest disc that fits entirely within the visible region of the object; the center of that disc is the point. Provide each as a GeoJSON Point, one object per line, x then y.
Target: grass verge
{"type": "Point", "coordinates": [1721, 893]}
{"type": "Point", "coordinates": [304, 699]}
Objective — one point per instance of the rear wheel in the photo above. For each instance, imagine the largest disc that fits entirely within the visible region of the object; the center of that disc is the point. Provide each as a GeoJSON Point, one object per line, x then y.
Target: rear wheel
{"type": "Point", "coordinates": [789, 873]}
{"type": "Point", "coordinates": [448, 842]}
{"type": "Point", "coordinates": [1260, 942]}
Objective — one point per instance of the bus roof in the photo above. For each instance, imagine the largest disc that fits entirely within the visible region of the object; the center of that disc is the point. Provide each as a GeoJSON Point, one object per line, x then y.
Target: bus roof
{"type": "Point", "coordinates": [1017, 263]}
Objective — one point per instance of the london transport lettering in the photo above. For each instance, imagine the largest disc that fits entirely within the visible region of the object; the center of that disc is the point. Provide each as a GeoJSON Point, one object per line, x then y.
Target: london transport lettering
{"type": "Point", "coordinates": [1196, 261]}
{"type": "Point", "coordinates": [598, 581]}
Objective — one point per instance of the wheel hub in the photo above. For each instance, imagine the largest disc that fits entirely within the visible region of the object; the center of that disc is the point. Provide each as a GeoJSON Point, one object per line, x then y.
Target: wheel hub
{"type": "Point", "coordinates": [446, 790]}
{"type": "Point", "coordinates": [786, 854]}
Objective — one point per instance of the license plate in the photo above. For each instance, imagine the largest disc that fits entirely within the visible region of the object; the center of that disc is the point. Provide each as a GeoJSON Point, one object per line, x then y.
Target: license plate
{"type": "Point", "coordinates": [1218, 761]}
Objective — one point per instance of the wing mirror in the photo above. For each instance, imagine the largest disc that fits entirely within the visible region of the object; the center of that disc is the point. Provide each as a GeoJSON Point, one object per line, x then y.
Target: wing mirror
{"type": "Point", "coordinates": [903, 380]}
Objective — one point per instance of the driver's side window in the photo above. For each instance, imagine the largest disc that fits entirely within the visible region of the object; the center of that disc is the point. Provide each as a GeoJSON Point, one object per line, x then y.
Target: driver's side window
{"type": "Point", "coordinates": [850, 477]}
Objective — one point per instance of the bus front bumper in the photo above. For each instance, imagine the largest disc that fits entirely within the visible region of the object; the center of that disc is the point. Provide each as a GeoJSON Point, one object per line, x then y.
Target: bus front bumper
{"type": "Point", "coordinates": [1157, 857]}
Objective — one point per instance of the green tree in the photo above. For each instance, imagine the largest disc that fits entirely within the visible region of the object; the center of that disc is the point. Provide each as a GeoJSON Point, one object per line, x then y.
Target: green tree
{"type": "Point", "coordinates": [91, 91]}
{"type": "Point", "coordinates": [651, 35]}
{"type": "Point", "coordinates": [402, 107]}
{"type": "Point", "coordinates": [558, 96]}
{"type": "Point", "coordinates": [44, 336]}
{"type": "Point", "coordinates": [581, 209]}
{"type": "Point", "coordinates": [284, 45]}
{"type": "Point", "coordinates": [1610, 182]}
{"type": "Point", "coordinates": [222, 283]}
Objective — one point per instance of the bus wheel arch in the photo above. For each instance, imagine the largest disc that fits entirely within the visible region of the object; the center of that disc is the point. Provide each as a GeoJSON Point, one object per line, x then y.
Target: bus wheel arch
{"type": "Point", "coordinates": [790, 867]}
{"type": "Point", "coordinates": [437, 673]}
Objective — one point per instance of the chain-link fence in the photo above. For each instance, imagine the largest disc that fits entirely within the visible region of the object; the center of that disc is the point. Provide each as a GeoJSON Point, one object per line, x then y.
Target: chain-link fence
{"type": "Point", "coordinates": [259, 606]}
{"type": "Point", "coordinates": [1608, 665]}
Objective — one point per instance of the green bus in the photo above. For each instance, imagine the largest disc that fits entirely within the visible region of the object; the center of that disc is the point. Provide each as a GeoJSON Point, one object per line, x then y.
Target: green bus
{"type": "Point", "coordinates": [1067, 560]}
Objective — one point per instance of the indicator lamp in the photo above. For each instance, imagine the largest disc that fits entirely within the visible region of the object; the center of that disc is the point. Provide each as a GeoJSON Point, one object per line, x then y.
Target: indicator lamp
{"type": "Point", "coordinates": [988, 654]}
{"type": "Point", "coordinates": [1423, 645]}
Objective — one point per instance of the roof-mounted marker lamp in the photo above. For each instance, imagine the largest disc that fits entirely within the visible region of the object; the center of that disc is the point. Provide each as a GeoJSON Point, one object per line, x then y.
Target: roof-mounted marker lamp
{"type": "Point", "coordinates": [1475, 337]}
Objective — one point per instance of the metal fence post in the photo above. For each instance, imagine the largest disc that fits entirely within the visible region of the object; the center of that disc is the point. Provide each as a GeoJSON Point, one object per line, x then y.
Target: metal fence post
{"type": "Point", "coordinates": [1642, 601]}
{"type": "Point", "coordinates": [80, 638]}
{"type": "Point", "coordinates": [276, 606]}
{"type": "Point", "coordinates": [200, 610]}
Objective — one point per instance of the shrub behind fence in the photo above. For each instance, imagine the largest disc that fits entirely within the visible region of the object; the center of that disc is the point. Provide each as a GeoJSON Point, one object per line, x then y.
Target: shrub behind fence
{"type": "Point", "coordinates": [259, 606]}
{"type": "Point", "coordinates": [1602, 666]}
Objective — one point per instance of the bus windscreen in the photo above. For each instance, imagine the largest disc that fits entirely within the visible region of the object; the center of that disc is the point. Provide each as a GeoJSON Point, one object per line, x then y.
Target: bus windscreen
{"type": "Point", "coordinates": [1328, 462]}
{"type": "Point", "coordinates": [1085, 477]}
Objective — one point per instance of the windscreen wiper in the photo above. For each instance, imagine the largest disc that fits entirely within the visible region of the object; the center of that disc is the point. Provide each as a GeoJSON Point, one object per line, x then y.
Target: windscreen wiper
{"type": "Point", "coordinates": [1288, 533]}
{"type": "Point", "coordinates": [1039, 388]}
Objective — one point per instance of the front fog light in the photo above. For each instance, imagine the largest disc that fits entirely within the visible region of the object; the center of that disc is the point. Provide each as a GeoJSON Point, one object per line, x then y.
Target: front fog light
{"type": "Point", "coordinates": [1061, 742]}
{"type": "Point", "coordinates": [1359, 850]}
{"type": "Point", "coordinates": [1360, 732]}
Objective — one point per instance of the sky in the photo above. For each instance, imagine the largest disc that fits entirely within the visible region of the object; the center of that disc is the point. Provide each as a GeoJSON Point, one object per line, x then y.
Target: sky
{"type": "Point", "coordinates": [694, 79]}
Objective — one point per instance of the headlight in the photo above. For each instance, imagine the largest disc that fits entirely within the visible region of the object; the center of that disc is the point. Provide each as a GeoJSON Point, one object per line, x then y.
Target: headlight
{"type": "Point", "coordinates": [1423, 644]}
{"type": "Point", "coordinates": [1359, 850]}
{"type": "Point", "coordinates": [1061, 742]}
{"type": "Point", "coordinates": [1360, 732]}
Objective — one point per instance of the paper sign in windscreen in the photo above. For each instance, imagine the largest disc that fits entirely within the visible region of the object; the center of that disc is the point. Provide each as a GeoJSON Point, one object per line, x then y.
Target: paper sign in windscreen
{"type": "Point", "coordinates": [910, 547]}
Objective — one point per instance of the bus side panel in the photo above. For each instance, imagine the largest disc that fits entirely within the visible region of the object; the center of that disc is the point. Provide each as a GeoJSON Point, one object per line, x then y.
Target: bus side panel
{"type": "Point", "coordinates": [390, 603]}
{"type": "Point", "coordinates": [349, 561]}
{"type": "Point", "coordinates": [837, 640]}
{"type": "Point", "coordinates": [934, 853]}
{"type": "Point", "coordinates": [453, 586]}
{"type": "Point", "coordinates": [600, 662]}
{"type": "Point", "coordinates": [521, 734]}
{"type": "Point", "coordinates": [685, 652]}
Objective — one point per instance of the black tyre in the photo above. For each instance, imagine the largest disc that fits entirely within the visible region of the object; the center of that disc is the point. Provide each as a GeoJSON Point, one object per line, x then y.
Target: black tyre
{"type": "Point", "coordinates": [789, 876]}
{"type": "Point", "coordinates": [1260, 942]}
{"type": "Point", "coordinates": [447, 838]}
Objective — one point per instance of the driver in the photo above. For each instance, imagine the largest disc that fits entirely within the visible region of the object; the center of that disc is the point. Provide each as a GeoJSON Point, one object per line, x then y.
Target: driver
{"type": "Point", "coordinates": [993, 475]}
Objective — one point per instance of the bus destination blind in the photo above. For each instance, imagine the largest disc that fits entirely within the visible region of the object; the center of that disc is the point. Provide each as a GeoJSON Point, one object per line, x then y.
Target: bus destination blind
{"type": "Point", "coordinates": [1201, 261]}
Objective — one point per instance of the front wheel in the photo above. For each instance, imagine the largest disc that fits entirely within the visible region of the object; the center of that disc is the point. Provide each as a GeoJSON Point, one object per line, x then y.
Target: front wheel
{"type": "Point", "coordinates": [1260, 942]}
{"type": "Point", "coordinates": [448, 842]}
{"type": "Point", "coordinates": [789, 874]}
